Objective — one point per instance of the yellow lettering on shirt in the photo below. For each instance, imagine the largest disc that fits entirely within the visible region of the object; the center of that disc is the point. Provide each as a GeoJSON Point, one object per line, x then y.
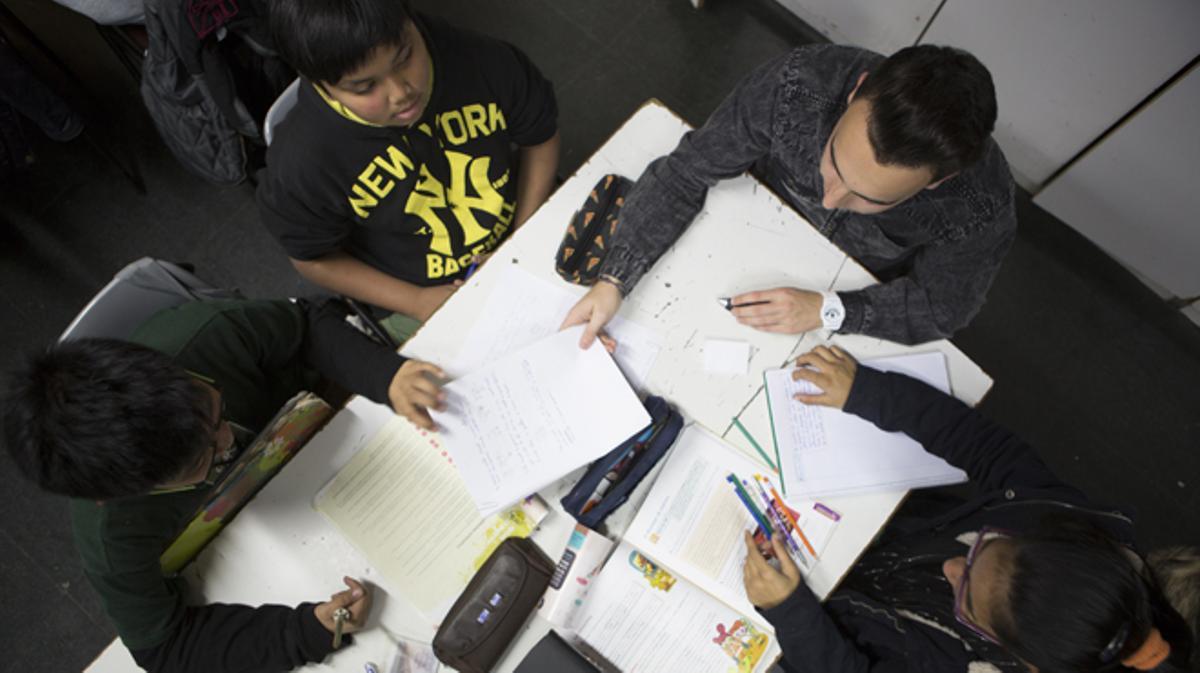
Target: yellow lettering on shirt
{"type": "Point", "coordinates": [433, 266]}
{"type": "Point", "coordinates": [375, 182]}
{"type": "Point", "coordinates": [363, 202]}
{"type": "Point", "coordinates": [453, 126]}
{"type": "Point", "coordinates": [476, 117]}
{"type": "Point", "coordinates": [496, 118]}
{"type": "Point", "coordinates": [467, 192]}
{"type": "Point", "coordinates": [397, 163]}
{"type": "Point", "coordinates": [428, 195]}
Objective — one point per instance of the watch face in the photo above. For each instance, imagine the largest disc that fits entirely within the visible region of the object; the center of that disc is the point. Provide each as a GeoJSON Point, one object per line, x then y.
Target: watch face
{"type": "Point", "coordinates": [832, 313]}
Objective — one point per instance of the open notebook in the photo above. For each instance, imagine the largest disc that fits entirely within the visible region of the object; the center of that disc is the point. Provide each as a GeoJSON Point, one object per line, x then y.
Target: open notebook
{"type": "Point", "coordinates": [823, 451]}
{"type": "Point", "coordinates": [402, 503]}
{"type": "Point", "coordinates": [670, 598]}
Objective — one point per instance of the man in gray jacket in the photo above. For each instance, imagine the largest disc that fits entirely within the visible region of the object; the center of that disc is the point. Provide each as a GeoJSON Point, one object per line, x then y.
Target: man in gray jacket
{"type": "Point", "coordinates": [891, 159]}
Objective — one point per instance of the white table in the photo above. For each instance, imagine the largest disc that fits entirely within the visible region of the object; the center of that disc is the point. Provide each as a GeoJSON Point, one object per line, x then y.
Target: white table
{"type": "Point", "coordinates": [280, 550]}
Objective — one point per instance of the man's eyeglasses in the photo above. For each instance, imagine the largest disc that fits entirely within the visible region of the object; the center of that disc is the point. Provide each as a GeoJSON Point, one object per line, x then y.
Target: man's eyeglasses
{"type": "Point", "coordinates": [963, 607]}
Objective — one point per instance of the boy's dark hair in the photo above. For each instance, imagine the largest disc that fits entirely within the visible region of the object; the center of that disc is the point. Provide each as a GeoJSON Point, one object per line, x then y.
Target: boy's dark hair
{"type": "Point", "coordinates": [1077, 601]}
{"type": "Point", "coordinates": [930, 107]}
{"type": "Point", "coordinates": [324, 40]}
{"type": "Point", "coordinates": [102, 418]}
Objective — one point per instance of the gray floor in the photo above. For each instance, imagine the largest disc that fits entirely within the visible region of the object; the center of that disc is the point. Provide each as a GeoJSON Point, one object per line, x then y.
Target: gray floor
{"type": "Point", "coordinates": [1089, 364]}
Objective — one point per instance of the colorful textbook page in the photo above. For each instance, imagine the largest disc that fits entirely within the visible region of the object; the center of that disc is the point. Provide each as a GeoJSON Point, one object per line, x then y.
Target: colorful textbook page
{"type": "Point", "coordinates": [671, 597]}
{"type": "Point", "coordinates": [825, 451]}
{"type": "Point", "coordinates": [645, 619]}
{"type": "Point", "coordinates": [692, 519]}
{"type": "Point", "coordinates": [402, 503]}
{"type": "Point", "coordinates": [299, 419]}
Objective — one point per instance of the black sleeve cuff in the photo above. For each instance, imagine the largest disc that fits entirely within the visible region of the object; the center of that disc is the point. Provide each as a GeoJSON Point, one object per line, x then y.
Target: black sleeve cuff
{"type": "Point", "coordinates": [346, 356]}
{"type": "Point", "coordinates": [791, 614]}
{"type": "Point", "coordinates": [317, 640]}
{"type": "Point", "coordinates": [865, 392]}
{"type": "Point", "coordinates": [858, 312]}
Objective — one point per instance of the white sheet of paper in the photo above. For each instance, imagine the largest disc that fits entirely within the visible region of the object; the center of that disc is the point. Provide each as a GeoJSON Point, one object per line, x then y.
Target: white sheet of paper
{"type": "Point", "coordinates": [724, 356]}
{"type": "Point", "coordinates": [524, 308]}
{"type": "Point", "coordinates": [530, 417]}
{"type": "Point", "coordinates": [825, 451]}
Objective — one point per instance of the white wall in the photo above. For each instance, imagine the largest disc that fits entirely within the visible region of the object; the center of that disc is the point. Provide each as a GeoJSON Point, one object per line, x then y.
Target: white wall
{"type": "Point", "coordinates": [1137, 193]}
{"type": "Point", "coordinates": [1067, 70]}
{"type": "Point", "coordinates": [881, 25]}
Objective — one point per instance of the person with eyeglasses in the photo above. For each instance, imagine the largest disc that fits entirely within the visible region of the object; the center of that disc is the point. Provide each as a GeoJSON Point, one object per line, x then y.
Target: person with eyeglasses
{"type": "Point", "coordinates": [136, 433]}
{"type": "Point", "coordinates": [891, 159]}
{"type": "Point", "coordinates": [1027, 575]}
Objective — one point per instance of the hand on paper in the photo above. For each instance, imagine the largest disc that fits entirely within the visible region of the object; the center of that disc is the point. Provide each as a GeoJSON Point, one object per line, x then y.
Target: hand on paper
{"type": "Point", "coordinates": [787, 310]}
{"type": "Point", "coordinates": [767, 587]}
{"type": "Point", "coordinates": [594, 309]}
{"type": "Point", "coordinates": [356, 599]}
{"type": "Point", "coordinates": [829, 368]}
{"type": "Point", "coordinates": [430, 299]}
{"type": "Point", "coordinates": [415, 389]}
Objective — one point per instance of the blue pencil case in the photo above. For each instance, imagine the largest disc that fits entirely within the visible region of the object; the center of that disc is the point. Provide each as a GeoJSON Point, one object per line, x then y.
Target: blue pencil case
{"type": "Point", "coordinates": [610, 480]}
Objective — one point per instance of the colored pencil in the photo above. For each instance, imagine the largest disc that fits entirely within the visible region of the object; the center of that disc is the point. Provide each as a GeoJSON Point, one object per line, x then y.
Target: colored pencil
{"type": "Point", "coordinates": [792, 520]}
{"type": "Point", "coordinates": [772, 511]}
{"type": "Point", "coordinates": [759, 449]}
{"type": "Point", "coordinates": [745, 498]}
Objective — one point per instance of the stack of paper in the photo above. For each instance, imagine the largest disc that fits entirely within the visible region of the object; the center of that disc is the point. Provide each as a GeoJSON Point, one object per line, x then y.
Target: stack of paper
{"type": "Point", "coordinates": [824, 451]}
{"type": "Point", "coordinates": [527, 419]}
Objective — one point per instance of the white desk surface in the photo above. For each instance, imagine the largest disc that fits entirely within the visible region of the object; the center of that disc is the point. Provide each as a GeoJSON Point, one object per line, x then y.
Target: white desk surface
{"type": "Point", "coordinates": [280, 550]}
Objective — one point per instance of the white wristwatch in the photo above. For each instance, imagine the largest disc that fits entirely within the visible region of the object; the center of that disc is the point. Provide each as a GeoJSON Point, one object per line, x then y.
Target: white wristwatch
{"type": "Point", "coordinates": [833, 313]}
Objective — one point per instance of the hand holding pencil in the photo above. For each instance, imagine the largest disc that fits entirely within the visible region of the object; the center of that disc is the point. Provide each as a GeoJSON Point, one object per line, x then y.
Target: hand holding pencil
{"type": "Point", "coordinates": [767, 587]}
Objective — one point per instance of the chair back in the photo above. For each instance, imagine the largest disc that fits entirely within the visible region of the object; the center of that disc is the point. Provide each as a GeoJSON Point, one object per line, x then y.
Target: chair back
{"type": "Point", "coordinates": [137, 292]}
{"type": "Point", "coordinates": [280, 108]}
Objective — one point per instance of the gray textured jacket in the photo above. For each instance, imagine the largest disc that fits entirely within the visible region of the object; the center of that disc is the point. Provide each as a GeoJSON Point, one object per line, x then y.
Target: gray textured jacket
{"type": "Point", "coordinates": [935, 254]}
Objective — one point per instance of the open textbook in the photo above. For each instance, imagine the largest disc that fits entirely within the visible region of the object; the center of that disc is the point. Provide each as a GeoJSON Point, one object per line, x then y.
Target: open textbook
{"type": "Point", "coordinates": [823, 451]}
{"type": "Point", "coordinates": [671, 598]}
{"type": "Point", "coordinates": [530, 417]}
{"type": "Point", "coordinates": [400, 501]}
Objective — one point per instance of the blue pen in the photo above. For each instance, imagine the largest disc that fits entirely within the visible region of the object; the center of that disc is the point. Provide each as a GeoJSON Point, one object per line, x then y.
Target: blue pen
{"type": "Point", "coordinates": [745, 498]}
{"type": "Point", "coordinates": [470, 271]}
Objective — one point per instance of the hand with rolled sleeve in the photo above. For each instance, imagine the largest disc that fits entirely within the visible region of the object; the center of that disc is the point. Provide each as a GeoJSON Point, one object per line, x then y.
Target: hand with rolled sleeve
{"type": "Point", "coordinates": [829, 368]}
{"type": "Point", "coordinates": [787, 310]}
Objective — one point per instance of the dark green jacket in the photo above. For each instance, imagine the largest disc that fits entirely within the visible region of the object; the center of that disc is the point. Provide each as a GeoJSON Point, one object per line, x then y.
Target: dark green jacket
{"type": "Point", "coordinates": [259, 354]}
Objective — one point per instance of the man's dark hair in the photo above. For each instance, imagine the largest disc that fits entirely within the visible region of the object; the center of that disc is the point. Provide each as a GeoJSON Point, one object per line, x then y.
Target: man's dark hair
{"type": "Point", "coordinates": [931, 107]}
{"type": "Point", "coordinates": [102, 419]}
{"type": "Point", "coordinates": [324, 40]}
{"type": "Point", "coordinates": [1077, 601]}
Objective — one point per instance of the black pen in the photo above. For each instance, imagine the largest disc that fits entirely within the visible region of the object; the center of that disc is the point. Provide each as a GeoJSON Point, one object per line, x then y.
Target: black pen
{"type": "Point", "coordinates": [728, 305]}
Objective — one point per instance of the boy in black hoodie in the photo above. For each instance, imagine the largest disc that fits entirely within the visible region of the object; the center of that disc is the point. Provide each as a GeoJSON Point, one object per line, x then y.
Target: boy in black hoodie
{"type": "Point", "coordinates": [396, 169]}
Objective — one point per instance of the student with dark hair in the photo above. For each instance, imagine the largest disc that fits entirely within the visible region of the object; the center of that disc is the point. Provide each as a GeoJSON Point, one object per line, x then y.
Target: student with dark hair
{"type": "Point", "coordinates": [396, 169]}
{"type": "Point", "coordinates": [135, 433]}
{"type": "Point", "coordinates": [1028, 574]}
{"type": "Point", "coordinates": [891, 159]}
